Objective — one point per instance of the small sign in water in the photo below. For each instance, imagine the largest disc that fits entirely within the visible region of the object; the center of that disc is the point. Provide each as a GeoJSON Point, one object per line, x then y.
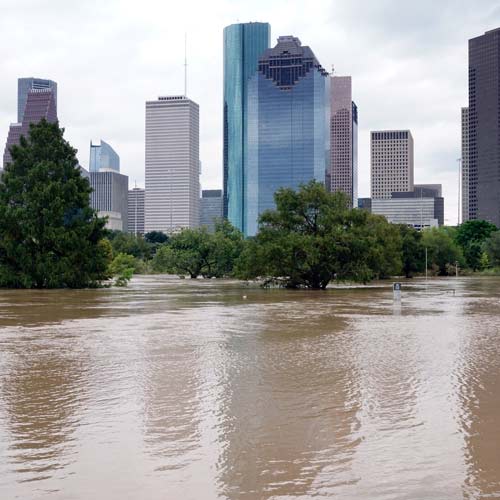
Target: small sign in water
{"type": "Point", "coordinates": [396, 288]}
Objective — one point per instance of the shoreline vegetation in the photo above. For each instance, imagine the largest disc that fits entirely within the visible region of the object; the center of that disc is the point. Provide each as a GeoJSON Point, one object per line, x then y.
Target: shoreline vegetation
{"type": "Point", "coordinates": [50, 237]}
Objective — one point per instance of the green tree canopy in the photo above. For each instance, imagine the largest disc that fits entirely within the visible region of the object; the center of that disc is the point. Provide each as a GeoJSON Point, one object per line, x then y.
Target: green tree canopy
{"type": "Point", "coordinates": [492, 249]}
{"type": "Point", "coordinates": [49, 235]}
{"type": "Point", "coordinates": [313, 237]}
{"type": "Point", "coordinates": [198, 252]}
{"type": "Point", "coordinates": [470, 236]}
{"type": "Point", "coordinates": [413, 252]}
{"type": "Point", "coordinates": [442, 250]}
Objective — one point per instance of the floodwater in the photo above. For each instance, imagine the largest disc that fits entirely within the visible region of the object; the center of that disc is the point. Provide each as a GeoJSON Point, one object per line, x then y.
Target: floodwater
{"type": "Point", "coordinates": [180, 389]}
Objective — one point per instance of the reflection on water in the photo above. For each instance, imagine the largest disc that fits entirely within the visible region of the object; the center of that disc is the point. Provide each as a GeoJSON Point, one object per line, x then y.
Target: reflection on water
{"type": "Point", "coordinates": [180, 389]}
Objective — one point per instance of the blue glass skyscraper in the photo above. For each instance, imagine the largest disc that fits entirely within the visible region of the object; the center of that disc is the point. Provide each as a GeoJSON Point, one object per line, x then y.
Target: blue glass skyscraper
{"type": "Point", "coordinates": [288, 136]}
{"type": "Point", "coordinates": [103, 157]}
{"type": "Point", "coordinates": [243, 45]}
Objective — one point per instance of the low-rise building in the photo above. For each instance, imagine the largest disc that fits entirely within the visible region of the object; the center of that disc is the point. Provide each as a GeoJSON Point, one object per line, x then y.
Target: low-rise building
{"type": "Point", "coordinates": [211, 207]}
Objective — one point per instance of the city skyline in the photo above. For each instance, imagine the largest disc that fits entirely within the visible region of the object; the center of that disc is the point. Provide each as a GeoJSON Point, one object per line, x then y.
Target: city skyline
{"type": "Point", "coordinates": [405, 86]}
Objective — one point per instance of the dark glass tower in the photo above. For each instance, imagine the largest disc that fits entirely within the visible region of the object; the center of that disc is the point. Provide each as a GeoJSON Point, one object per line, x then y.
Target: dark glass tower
{"type": "Point", "coordinates": [40, 103]}
{"type": "Point", "coordinates": [243, 45]}
{"type": "Point", "coordinates": [288, 126]}
{"type": "Point", "coordinates": [484, 127]}
{"type": "Point", "coordinates": [25, 85]}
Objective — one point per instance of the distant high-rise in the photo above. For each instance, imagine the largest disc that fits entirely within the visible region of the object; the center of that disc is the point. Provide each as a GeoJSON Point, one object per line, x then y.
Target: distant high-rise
{"type": "Point", "coordinates": [103, 157]}
{"type": "Point", "coordinates": [243, 45]}
{"type": "Point", "coordinates": [109, 197]}
{"type": "Point", "coordinates": [210, 207]}
{"type": "Point", "coordinates": [344, 139]}
{"type": "Point", "coordinates": [391, 162]}
{"type": "Point", "coordinates": [484, 127]}
{"type": "Point", "coordinates": [136, 211]}
{"type": "Point", "coordinates": [172, 164]}
{"type": "Point", "coordinates": [40, 104]}
{"type": "Point", "coordinates": [25, 85]}
{"type": "Point", "coordinates": [465, 164]}
{"type": "Point", "coordinates": [288, 111]}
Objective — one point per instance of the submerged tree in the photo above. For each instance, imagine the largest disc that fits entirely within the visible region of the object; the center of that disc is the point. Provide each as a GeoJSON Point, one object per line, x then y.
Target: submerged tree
{"type": "Point", "coordinates": [313, 237]}
{"type": "Point", "coordinates": [49, 235]}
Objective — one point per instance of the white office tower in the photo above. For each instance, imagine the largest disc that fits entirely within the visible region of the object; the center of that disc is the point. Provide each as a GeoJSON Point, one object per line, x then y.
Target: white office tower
{"type": "Point", "coordinates": [391, 163]}
{"type": "Point", "coordinates": [172, 164]}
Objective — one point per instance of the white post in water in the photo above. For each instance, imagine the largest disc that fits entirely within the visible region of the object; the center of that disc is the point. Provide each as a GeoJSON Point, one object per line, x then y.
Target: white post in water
{"type": "Point", "coordinates": [396, 290]}
{"type": "Point", "coordinates": [456, 268]}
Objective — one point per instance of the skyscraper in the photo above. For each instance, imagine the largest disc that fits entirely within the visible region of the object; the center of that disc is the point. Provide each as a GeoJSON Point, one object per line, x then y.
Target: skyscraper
{"type": "Point", "coordinates": [288, 108]}
{"type": "Point", "coordinates": [465, 164]}
{"type": "Point", "coordinates": [172, 164]}
{"type": "Point", "coordinates": [210, 207]}
{"type": "Point", "coordinates": [25, 85]}
{"type": "Point", "coordinates": [40, 103]}
{"type": "Point", "coordinates": [391, 162]}
{"type": "Point", "coordinates": [344, 139]}
{"type": "Point", "coordinates": [109, 197]}
{"type": "Point", "coordinates": [103, 157]}
{"type": "Point", "coordinates": [136, 211]}
{"type": "Point", "coordinates": [484, 127]}
{"type": "Point", "coordinates": [243, 45]}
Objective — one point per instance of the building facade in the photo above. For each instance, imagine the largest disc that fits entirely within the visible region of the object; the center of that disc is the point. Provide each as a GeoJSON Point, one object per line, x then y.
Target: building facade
{"type": "Point", "coordinates": [109, 197]}
{"type": "Point", "coordinates": [136, 211]}
{"type": "Point", "coordinates": [40, 103]}
{"type": "Point", "coordinates": [103, 157]}
{"type": "Point", "coordinates": [243, 45]}
{"type": "Point", "coordinates": [391, 157]}
{"type": "Point", "coordinates": [465, 164]}
{"type": "Point", "coordinates": [211, 207]}
{"type": "Point", "coordinates": [172, 196]}
{"type": "Point", "coordinates": [343, 139]}
{"type": "Point", "coordinates": [484, 127]}
{"type": "Point", "coordinates": [288, 109]}
{"type": "Point", "coordinates": [25, 85]}
{"type": "Point", "coordinates": [417, 212]}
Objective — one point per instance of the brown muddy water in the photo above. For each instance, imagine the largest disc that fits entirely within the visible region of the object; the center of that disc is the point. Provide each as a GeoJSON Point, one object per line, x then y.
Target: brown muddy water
{"type": "Point", "coordinates": [174, 389]}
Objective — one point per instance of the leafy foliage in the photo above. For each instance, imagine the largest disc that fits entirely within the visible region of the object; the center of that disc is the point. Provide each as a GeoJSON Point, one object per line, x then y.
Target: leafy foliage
{"type": "Point", "coordinates": [122, 268]}
{"type": "Point", "coordinates": [442, 250]}
{"type": "Point", "coordinates": [197, 252]}
{"type": "Point", "coordinates": [492, 249]}
{"type": "Point", "coordinates": [471, 236]}
{"type": "Point", "coordinates": [49, 235]}
{"type": "Point", "coordinates": [413, 252]}
{"type": "Point", "coordinates": [313, 237]}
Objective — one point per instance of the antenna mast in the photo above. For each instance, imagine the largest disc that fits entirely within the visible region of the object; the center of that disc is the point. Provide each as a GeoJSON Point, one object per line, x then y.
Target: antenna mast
{"type": "Point", "coordinates": [185, 64]}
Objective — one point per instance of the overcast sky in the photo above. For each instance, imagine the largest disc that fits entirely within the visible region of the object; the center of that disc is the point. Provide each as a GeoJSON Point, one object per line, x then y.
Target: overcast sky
{"type": "Point", "coordinates": [408, 61]}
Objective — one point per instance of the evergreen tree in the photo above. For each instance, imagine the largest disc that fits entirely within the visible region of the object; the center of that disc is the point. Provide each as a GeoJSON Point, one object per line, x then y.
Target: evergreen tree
{"type": "Point", "coordinates": [49, 235]}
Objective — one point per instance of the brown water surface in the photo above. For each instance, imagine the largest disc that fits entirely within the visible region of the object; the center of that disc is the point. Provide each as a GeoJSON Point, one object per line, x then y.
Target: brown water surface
{"type": "Point", "coordinates": [179, 389]}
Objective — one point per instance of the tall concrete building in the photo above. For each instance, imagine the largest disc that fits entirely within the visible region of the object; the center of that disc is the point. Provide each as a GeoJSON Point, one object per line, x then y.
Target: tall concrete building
{"type": "Point", "coordinates": [343, 139]}
{"type": "Point", "coordinates": [288, 108]}
{"type": "Point", "coordinates": [103, 157]}
{"type": "Point", "coordinates": [211, 207]}
{"type": "Point", "coordinates": [40, 103]}
{"type": "Point", "coordinates": [25, 86]}
{"type": "Point", "coordinates": [484, 127]}
{"type": "Point", "coordinates": [465, 164]}
{"type": "Point", "coordinates": [109, 197]}
{"type": "Point", "coordinates": [392, 162]}
{"type": "Point", "coordinates": [136, 211]}
{"type": "Point", "coordinates": [244, 43]}
{"type": "Point", "coordinates": [172, 164]}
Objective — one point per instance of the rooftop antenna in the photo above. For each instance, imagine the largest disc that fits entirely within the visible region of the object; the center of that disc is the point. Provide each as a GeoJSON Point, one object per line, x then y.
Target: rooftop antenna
{"type": "Point", "coordinates": [185, 64]}
{"type": "Point", "coordinates": [333, 69]}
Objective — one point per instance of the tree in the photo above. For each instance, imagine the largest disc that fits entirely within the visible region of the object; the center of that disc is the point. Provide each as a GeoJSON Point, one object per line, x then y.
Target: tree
{"type": "Point", "coordinates": [470, 236]}
{"type": "Point", "coordinates": [197, 252]}
{"type": "Point", "coordinates": [442, 251]}
{"type": "Point", "coordinates": [122, 267]}
{"type": "Point", "coordinates": [413, 251]}
{"type": "Point", "coordinates": [49, 235]}
{"type": "Point", "coordinates": [130, 244]}
{"type": "Point", "coordinates": [313, 237]}
{"type": "Point", "coordinates": [156, 237]}
{"type": "Point", "coordinates": [492, 249]}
